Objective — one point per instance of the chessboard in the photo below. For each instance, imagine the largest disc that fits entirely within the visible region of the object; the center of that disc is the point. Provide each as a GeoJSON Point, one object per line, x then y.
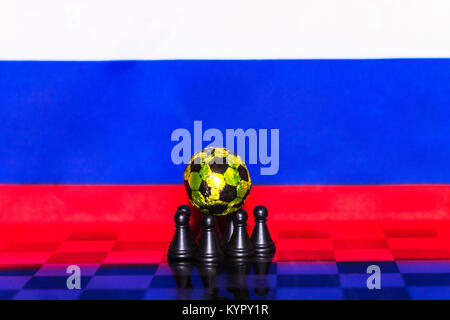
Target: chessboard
{"type": "Point", "coordinates": [326, 260]}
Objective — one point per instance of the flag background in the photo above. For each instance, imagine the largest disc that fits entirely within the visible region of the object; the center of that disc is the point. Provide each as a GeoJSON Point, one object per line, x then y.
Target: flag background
{"type": "Point", "coordinates": [91, 91]}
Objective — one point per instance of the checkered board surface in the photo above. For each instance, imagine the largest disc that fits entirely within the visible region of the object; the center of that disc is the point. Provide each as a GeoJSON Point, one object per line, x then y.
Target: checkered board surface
{"type": "Point", "coordinates": [313, 261]}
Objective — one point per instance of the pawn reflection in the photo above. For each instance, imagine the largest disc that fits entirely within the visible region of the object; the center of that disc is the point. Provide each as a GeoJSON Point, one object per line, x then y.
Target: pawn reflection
{"type": "Point", "coordinates": [238, 280]}
{"type": "Point", "coordinates": [208, 274]}
{"type": "Point", "coordinates": [237, 271]}
{"type": "Point", "coordinates": [182, 271]}
{"type": "Point", "coordinates": [261, 267]}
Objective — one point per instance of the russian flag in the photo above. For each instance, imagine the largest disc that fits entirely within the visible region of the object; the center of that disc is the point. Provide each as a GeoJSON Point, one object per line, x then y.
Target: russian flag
{"type": "Point", "coordinates": [90, 93]}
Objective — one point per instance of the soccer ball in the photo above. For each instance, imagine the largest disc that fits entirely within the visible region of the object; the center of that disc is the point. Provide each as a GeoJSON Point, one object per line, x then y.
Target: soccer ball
{"type": "Point", "coordinates": [217, 181]}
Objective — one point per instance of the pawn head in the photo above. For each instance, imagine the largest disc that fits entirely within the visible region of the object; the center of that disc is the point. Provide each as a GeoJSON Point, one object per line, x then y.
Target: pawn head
{"type": "Point", "coordinates": [240, 216]}
{"type": "Point", "coordinates": [181, 218]}
{"type": "Point", "coordinates": [185, 209]}
{"type": "Point", "coordinates": [260, 212]}
{"type": "Point", "coordinates": [208, 221]}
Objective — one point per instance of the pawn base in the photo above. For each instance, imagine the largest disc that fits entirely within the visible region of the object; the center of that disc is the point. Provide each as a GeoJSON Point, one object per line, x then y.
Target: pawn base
{"type": "Point", "coordinates": [180, 255]}
{"type": "Point", "coordinates": [265, 250]}
{"type": "Point", "coordinates": [209, 259]}
{"type": "Point", "coordinates": [240, 253]}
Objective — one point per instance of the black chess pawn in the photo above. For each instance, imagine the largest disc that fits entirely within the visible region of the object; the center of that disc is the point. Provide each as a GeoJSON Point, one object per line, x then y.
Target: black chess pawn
{"type": "Point", "coordinates": [200, 232]}
{"type": "Point", "coordinates": [261, 266]}
{"type": "Point", "coordinates": [240, 245]}
{"type": "Point", "coordinates": [229, 229]}
{"type": "Point", "coordinates": [182, 273]}
{"type": "Point", "coordinates": [182, 246]}
{"type": "Point", "coordinates": [261, 239]}
{"type": "Point", "coordinates": [209, 250]}
{"type": "Point", "coordinates": [186, 210]}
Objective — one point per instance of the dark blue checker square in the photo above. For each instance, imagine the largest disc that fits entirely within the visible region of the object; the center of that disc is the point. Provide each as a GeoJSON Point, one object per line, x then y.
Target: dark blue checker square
{"type": "Point", "coordinates": [361, 267]}
{"type": "Point", "coordinates": [57, 282]}
{"type": "Point", "coordinates": [359, 280]}
{"type": "Point", "coordinates": [13, 282]}
{"type": "Point", "coordinates": [170, 282]}
{"type": "Point", "coordinates": [126, 269]}
{"type": "Point", "coordinates": [376, 294]}
{"type": "Point", "coordinates": [112, 295]}
{"type": "Point", "coordinates": [427, 279]}
{"type": "Point", "coordinates": [7, 294]}
{"type": "Point", "coordinates": [310, 280]}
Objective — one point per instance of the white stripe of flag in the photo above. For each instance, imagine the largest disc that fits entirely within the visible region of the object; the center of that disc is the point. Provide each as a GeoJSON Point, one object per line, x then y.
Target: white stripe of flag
{"type": "Point", "coordinates": [231, 29]}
